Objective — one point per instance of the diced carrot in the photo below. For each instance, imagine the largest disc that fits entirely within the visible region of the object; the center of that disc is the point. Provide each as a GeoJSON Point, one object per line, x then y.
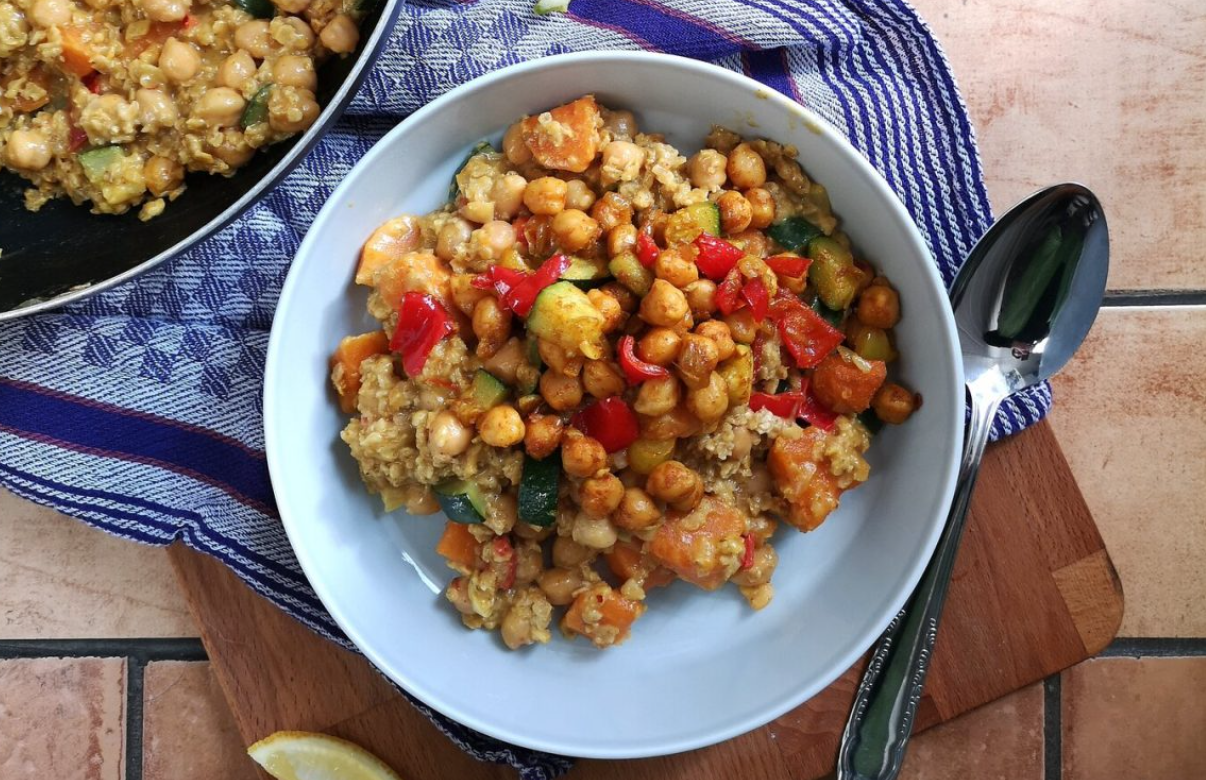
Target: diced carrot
{"type": "Point", "coordinates": [691, 544]}
{"type": "Point", "coordinates": [843, 386]}
{"type": "Point", "coordinates": [458, 546]}
{"type": "Point", "coordinates": [616, 615]}
{"type": "Point", "coordinates": [420, 272]}
{"type": "Point", "coordinates": [803, 477]}
{"type": "Point", "coordinates": [24, 104]}
{"type": "Point", "coordinates": [388, 243]}
{"type": "Point", "coordinates": [345, 365]}
{"type": "Point", "coordinates": [626, 561]}
{"type": "Point", "coordinates": [77, 57]}
{"type": "Point", "coordinates": [568, 139]}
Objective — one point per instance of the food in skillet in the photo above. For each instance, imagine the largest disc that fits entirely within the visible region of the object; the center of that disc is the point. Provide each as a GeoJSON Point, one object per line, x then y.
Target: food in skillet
{"type": "Point", "coordinates": [113, 101]}
{"type": "Point", "coordinates": [603, 352]}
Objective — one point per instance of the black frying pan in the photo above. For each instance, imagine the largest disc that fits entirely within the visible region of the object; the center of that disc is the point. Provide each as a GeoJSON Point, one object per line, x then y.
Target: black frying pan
{"type": "Point", "coordinates": [64, 252]}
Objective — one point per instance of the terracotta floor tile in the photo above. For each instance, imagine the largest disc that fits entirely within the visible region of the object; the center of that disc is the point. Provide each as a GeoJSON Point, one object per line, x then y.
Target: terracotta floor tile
{"type": "Point", "coordinates": [61, 579]}
{"type": "Point", "coordinates": [62, 718]}
{"type": "Point", "coordinates": [188, 732]}
{"type": "Point", "coordinates": [1132, 719]}
{"type": "Point", "coordinates": [999, 741]}
{"type": "Point", "coordinates": [1129, 416]}
{"type": "Point", "coordinates": [1084, 90]}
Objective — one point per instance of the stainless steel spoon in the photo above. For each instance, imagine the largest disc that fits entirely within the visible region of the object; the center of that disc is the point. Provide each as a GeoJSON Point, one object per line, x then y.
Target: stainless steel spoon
{"type": "Point", "coordinates": [1023, 302]}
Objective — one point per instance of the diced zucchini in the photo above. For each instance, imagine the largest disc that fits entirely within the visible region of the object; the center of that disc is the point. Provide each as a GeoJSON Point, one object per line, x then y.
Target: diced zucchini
{"type": "Point", "coordinates": [834, 318]}
{"type": "Point", "coordinates": [488, 392]}
{"type": "Point", "coordinates": [96, 162]}
{"type": "Point", "coordinates": [586, 274]}
{"type": "Point", "coordinates": [257, 108]}
{"type": "Point", "coordinates": [563, 315]}
{"type": "Point", "coordinates": [833, 273]}
{"type": "Point", "coordinates": [628, 271]}
{"type": "Point", "coordinates": [738, 375]}
{"type": "Point", "coordinates": [260, 9]}
{"type": "Point", "coordinates": [538, 489]}
{"type": "Point", "coordinates": [645, 454]}
{"type": "Point", "coordinates": [534, 353]}
{"type": "Point", "coordinates": [794, 233]}
{"type": "Point", "coordinates": [688, 222]}
{"type": "Point", "coordinates": [461, 500]}
{"type": "Point", "coordinates": [454, 189]}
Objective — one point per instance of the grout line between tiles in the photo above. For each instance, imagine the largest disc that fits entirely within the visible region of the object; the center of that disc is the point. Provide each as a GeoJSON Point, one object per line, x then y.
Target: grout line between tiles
{"type": "Point", "coordinates": [1053, 754]}
{"type": "Point", "coordinates": [1154, 647]}
{"type": "Point", "coordinates": [135, 669]}
{"type": "Point", "coordinates": [1123, 298]}
{"type": "Point", "coordinates": [145, 650]}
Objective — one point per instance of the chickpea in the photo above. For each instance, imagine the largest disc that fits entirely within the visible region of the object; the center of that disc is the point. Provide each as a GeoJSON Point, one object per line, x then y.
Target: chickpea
{"type": "Point", "coordinates": [752, 242]}
{"type": "Point", "coordinates": [507, 194]}
{"type": "Point", "coordinates": [626, 298]}
{"type": "Point", "coordinates": [179, 61]}
{"type": "Point", "coordinates": [678, 423]}
{"type": "Point", "coordinates": [609, 307]}
{"type": "Point", "coordinates": [601, 495]}
{"type": "Point", "coordinates": [665, 305]}
{"type": "Point", "coordinates": [340, 35]}
{"type": "Point", "coordinates": [294, 70]}
{"type": "Point", "coordinates": [657, 396]}
{"type": "Point", "coordinates": [491, 325]}
{"type": "Point", "coordinates": [578, 195]}
{"type": "Point", "coordinates": [701, 297]}
{"type": "Point", "coordinates": [893, 404]}
{"type": "Point", "coordinates": [292, 6]}
{"type": "Point", "coordinates": [621, 124]}
{"type": "Point", "coordinates": [421, 501]}
{"type": "Point", "coordinates": [545, 195]}
{"type": "Point", "coordinates": [596, 533]}
{"type": "Point", "coordinates": [537, 533]}
{"type": "Point", "coordinates": [452, 238]}
{"type": "Point", "coordinates": [514, 148]}
{"type": "Point", "coordinates": [557, 359]}
{"type": "Point", "coordinates": [710, 402]}
{"type": "Point", "coordinates": [735, 212]}
{"type": "Point", "coordinates": [236, 69]}
{"type": "Point", "coordinates": [697, 360]}
{"type": "Point", "coordinates": [760, 571]}
{"type": "Point", "coordinates": [233, 150]}
{"type": "Point", "coordinates": [621, 239]}
{"type": "Point", "coordinates": [659, 346]}
{"type": "Point", "coordinates": [720, 334]}
{"type": "Point", "coordinates": [301, 36]}
{"type": "Point", "coordinates": [879, 306]}
{"type": "Point", "coordinates": [568, 553]}
{"type": "Point", "coordinates": [253, 37]}
{"type": "Point", "coordinates": [706, 169]}
{"type": "Point", "coordinates": [574, 229]}
{"type": "Point", "coordinates": [291, 110]}
{"type": "Point", "coordinates": [602, 379]}
{"type": "Point", "coordinates": [28, 150]}
{"type": "Point", "coordinates": [637, 511]}
{"type": "Point", "coordinates": [501, 426]}
{"type": "Point", "coordinates": [543, 435]}
{"type": "Point", "coordinates": [559, 585]}
{"type": "Point", "coordinates": [166, 10]}
{"type": "Point", "coordinates": [677, 266]}
{"type": "Point", "coordinates": [611, 211]}
{"type": "Point", "coordinates": [742, 326]}
{"type": "Point", "coordinates": [51, 13]}
{"type": "Point", "coordinates": [162, 175]}
{"type": "Point", "coordinates": [621, 161]}
{"type": "Point", "coordinates": [220, 107]}
{"type": "Point", "coordinates": [492, 240]}
{"type": "Point", "coordinates": [582, 456]}
{"type": "Point", "coordinates": [673, 483]}
{"type": "Point", "coordinates": [746, 167]}
{"type": "Point", "coordinates": [516, 628]}
{"type": "Point", "coordinates": [560, 391]}
{"type": "Point", "coordinates": [762, 208]}
{"type": "Point", "coordinates": [447, 437]}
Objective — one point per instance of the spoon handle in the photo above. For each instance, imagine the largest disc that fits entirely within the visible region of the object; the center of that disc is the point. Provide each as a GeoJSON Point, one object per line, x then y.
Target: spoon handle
{"type": "Point", "coordinates": [881, 719]}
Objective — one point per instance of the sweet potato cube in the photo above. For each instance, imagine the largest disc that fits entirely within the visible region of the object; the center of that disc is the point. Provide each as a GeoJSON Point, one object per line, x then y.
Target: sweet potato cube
{"type": "Point", "coordinates": [627, 560]}
{"type": "Point", "coordinates": [345, 365]}
{"type": "Point", "coordinates": [601, 615]}
{"type": "Point", "coordinates": [566, 138]}
{"type": "Point", "coordinates": [390, 242]}
{"type": "Point", "coordinates": [802, 476]}
{"type": "Point", "coordinates": [843, 386]}
{"type": "Point", "coordinates": [703, 546]}
{"type": "Point", "coordinates": [459, 547]}
{"type": "Point", "coordinates": [77, 56]}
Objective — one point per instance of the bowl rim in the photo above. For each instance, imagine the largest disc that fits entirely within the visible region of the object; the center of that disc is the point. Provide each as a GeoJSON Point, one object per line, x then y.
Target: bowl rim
{"type": "Point", "coordinates": [429, 694]}
{"type": "Point", "coordinates": [372, 49]}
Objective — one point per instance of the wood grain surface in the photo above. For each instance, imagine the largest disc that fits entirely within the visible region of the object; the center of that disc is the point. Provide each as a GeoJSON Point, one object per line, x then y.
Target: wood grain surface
{"type": "Point", "coordinates": [1033, 593]}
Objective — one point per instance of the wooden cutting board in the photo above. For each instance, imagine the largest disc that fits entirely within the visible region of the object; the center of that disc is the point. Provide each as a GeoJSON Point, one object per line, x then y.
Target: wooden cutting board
{"type": "Point", "coordinates": [1034, 592]}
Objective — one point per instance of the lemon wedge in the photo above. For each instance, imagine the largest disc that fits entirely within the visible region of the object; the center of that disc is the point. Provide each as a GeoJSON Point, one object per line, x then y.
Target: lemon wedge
{"type": "Point", "coordinates": [301, 755]}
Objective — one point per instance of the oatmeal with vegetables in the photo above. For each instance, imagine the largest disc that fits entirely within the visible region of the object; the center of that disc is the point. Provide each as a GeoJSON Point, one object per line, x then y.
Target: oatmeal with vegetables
{"type": "Point", "coordinates": [613, 366]}
{"type": "Point", "coordinates": [113, 101]}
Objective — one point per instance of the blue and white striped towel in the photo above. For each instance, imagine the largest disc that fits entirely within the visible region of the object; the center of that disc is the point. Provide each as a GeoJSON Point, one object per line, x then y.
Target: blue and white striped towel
{"type": "Point", "coordinates": [138, 410]}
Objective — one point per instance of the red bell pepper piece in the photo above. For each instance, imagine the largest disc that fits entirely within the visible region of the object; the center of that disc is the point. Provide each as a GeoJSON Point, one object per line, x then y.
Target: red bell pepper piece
{"type": "Point", "coordinates": [422, 322]}
{"type": "Point", "coordinates": [647, 251]}
{"type": "Point", "coordinates": [503, 551]}
{"type": "Point", "coordinates": [93, 82]}
{"type": "Point", "coordinates": [521, 236]}
{"type": "Point", "coordinates": [611, 421]}
{"type": "Point", "coordinates": [728, 293]}
{"type": "Point", "coordinates": [76, 138]}
{"type": "Point", "coordinates": [783, 405]}
{"type": "Point", "coordinates": [747, 560]}
{"type": "Point", "coordinates": [812, 412]}
{"type": "Point", "coordinates": [522, 295]}
{"type": "Point", "coordinates": [189, 22]}
{"type": "Point", "coordinates": [499, 279]}
{"type": "Point", "coordinates": [807, 336]}
{"type": "Point", "coordinates": [755, 294]}
{"type": "Point", "coordinates": [789, 265]}
{"type": "Point", "coordinates": [716, 257]}
{"type": "Point", "coordinates": [634, 368]}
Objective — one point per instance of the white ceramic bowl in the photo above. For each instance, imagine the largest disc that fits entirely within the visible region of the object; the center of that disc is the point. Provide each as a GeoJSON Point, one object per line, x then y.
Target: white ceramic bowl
{"type": "Point", "coordinates": [699, 667]}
